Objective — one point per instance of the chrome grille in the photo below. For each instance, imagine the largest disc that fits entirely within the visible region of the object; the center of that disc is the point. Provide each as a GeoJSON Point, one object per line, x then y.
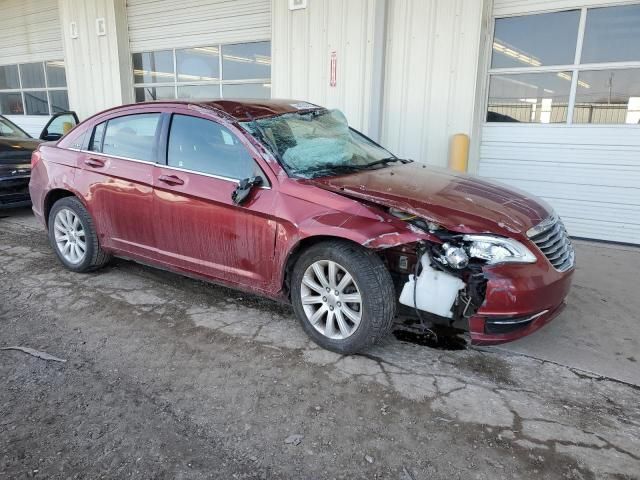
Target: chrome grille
{"type": "Point", "coordinates": [553, 241]}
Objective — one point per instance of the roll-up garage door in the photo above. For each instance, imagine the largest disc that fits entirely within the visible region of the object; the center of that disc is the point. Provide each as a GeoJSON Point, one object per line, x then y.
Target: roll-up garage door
{"type": "Point", "coordinates": [563, 110]}
{"type": "Point", "coordinates": [30, 31]}
{"type": "Point", "coordinates": [162, 24]}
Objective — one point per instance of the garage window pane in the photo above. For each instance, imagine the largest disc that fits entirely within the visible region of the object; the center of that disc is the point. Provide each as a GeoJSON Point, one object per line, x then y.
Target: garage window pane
{"type": "Point", "coordinates": [198, 64]}
{"type": "Point", "coordinates": [612, 35]}
{"type": "Point", "coordinates": [9, 77]}
{"type": "Point", "coordinates": [132, 136]}
{"type": "Point", "coordinates": [36, 103]}
{"type": "Point", "coordinates": [199, 91]}
{"type": "Point", "coordinates": [147, 94]}
{"type": "Point", "coordinates": [608, 97]}
{"type": "Point", "coordinates": [536, 40]}
{"type": "Point", "coordinates": [32, 75]}
{"type": "Point", "coordinates": [153, 67]}
{"type": "Point", "coordinates": [529, 98]}
{"type": "Point", "coordinates": [11, 104]}
{"type": "Point", "coordinates": [246, 61]}
{"type": "Point", "coordinates": [248, 90]}
{"type": "Point", "coordinates": [59, 101]}
{"type": "Point", "coordinates": [56, 76]}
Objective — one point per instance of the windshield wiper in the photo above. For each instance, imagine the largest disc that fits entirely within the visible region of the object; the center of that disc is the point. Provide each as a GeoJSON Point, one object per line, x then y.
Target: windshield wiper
{"type": "Point", "coordinates": [349, 168]}
{"type": "Point", "coordinates": [331, 168]}
{"type": "Point", "coordinates": [383, 161]}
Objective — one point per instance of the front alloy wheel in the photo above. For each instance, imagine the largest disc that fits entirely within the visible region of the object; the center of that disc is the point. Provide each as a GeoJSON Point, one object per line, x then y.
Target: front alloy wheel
{"type": "Point", "coordinates": [331, 299]}
{"type": "Point", "coordinates": [343, 295]}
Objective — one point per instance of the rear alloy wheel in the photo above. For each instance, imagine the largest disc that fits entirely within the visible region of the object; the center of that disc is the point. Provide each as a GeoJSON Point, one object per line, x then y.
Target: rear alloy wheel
{"type": "Point", "coordinates": [70, 237]}
{"type": "Point", "coordinates": [343, 296]}
{"type": "Point", "coordinates": [73, 236]}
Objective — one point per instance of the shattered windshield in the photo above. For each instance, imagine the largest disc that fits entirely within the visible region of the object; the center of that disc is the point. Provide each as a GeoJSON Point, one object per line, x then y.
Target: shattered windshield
{"type": "Point", "coordinates": [318, 143]}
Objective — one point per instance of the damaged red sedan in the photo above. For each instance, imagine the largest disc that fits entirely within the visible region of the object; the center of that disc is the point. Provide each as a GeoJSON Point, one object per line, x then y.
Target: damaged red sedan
{"type": "Point", "coordinates": [283, 199]}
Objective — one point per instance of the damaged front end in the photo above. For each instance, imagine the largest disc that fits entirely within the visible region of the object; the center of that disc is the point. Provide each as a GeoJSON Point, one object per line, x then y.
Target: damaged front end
{"type": "Point", "coordinates": [432, 293]}
{"type": "Point", "coordinates": [494, 287]}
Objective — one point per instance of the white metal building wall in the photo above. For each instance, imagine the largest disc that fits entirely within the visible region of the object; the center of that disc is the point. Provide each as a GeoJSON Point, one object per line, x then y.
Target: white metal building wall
{"type": "Point", "coordinates": [430, 80]}
{"type": "Point", "coordinates": [99, 72]}
{"type": "Point", "coordinates": [30, 31]}
{"type": "Point", "coordinates": [162, 24]}
{"type": "Point", "coordinates": [589, 173]}
{"type": "Point", "coordinates": [301, 47]}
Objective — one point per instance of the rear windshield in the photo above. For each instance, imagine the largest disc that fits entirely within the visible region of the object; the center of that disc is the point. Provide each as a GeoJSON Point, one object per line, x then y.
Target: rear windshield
{"type": "Point", "coordinates": [317, 143]}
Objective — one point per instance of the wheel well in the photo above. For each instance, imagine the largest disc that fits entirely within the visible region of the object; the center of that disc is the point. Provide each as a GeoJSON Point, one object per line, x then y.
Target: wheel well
{"type": "Point", "coordinates": [52, 197]}
{"type": "Point", "coordinates": [296, 251]}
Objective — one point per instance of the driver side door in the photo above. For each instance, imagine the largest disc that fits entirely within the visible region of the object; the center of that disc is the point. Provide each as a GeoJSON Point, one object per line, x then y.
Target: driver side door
{"type": "Point", "coordinates": [198, 227]}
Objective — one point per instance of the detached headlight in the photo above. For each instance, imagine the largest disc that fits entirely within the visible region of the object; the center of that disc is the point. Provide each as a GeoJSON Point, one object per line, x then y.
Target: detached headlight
{"type": "Point", "coordinates": [498, 249]}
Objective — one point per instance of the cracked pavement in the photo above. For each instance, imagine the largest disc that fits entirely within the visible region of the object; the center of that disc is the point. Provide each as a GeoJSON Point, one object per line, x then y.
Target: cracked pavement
{"type": "Point", "coordinates": [169, 377]}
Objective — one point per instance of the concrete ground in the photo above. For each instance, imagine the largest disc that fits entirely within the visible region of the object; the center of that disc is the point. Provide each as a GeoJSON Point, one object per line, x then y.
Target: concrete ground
{"type": "Point", "coordinates": [168, 377]}
{"type": "Point", "coordinates": [599, 331]}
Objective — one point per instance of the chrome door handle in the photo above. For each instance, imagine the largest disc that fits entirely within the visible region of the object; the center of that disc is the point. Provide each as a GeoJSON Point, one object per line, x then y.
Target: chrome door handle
{"type": "Point", "coordinates": [171, 179]}
{"type": "Point", "coordinates": [94, 162]}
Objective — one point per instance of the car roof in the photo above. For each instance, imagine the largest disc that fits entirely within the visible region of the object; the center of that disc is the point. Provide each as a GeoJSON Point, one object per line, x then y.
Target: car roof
{"type": "Point", "coordinates": [244, 109]}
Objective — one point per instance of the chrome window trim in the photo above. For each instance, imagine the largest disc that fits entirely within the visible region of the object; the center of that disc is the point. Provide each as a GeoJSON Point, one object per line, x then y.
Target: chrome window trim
{"type": "Point", "coordinates": [210, 175]}
{"type": "Point", "coordinates": [91, 152]}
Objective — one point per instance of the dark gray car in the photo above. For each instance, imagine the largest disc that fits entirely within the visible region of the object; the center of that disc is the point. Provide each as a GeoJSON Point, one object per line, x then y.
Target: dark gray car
{"type": "Point", "coordinates": [16, 147]}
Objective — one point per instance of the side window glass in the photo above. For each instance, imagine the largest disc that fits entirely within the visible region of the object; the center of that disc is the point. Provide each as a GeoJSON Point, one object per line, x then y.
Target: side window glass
{"type": "Point", "coordinates": [132, 136]}
{"type": "Point", "coordinates": [204, 146]}
{"type": "Point", "coordinates": [96, 139]}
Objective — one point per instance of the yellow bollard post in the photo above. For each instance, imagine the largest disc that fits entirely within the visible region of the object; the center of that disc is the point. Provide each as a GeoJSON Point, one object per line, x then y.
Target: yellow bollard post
{"type": "Point", "coordinates": [459, 152]}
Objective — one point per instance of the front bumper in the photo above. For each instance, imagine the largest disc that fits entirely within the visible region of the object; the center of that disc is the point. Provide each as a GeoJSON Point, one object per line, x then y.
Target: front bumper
{"type": "Point", "coordinates": [14, 192]}
{"type": "Point", "coordinates": [520, 299]}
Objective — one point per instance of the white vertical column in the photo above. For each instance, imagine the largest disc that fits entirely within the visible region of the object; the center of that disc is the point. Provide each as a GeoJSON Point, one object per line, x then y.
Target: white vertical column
{"type": "Point", "coordinates": [302, 44]}
{"type": "Point", "coordinates": [98, 60]}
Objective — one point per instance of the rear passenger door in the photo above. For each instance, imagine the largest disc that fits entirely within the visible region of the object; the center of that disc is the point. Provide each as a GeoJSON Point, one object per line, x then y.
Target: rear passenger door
{"type": "Point", "coordinates": [117, 174]}
{"type": "Point", "coordinates": [198, 228]}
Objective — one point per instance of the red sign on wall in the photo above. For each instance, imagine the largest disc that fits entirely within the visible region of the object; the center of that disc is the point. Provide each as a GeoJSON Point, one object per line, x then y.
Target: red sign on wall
{"type": "Point", "coordinates": [333, 69]}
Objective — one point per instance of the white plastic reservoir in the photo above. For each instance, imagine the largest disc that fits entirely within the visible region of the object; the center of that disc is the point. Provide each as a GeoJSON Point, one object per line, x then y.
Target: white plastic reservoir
{"type": "Point", "coordinates": [436, 291]}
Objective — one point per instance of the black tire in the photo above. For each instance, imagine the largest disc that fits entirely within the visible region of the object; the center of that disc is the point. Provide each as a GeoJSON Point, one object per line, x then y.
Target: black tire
{"type": "Point", "coordinates": [378, 307]}
{"type": "Point", "coordinates": [94, 256]}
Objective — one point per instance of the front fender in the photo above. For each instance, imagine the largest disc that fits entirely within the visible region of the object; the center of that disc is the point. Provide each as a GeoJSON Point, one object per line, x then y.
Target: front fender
{"type": "Point", "coordinates": [374, 233]}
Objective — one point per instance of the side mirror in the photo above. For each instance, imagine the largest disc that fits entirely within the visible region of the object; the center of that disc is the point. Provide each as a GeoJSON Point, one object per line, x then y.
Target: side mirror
{"type": "Point", "coordinates": [244, 188]}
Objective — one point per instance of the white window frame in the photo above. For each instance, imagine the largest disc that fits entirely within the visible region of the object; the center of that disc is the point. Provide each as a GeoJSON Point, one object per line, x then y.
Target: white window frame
{"type": "Point", "coordinates": [575, 68]}
{"type": "Point", "coordinates": [220, 83]}
{"type": "Point", "coordinates": [45, 89]}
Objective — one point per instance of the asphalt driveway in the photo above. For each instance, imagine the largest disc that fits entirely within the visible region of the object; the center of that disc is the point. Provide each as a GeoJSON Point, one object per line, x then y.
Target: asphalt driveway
{"type": "Point", "coordinates": [168, 377]}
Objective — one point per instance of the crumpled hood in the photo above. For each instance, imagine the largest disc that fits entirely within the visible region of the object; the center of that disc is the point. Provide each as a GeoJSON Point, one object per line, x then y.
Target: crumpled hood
{"type": "Point", "coordinates": [458, 202]}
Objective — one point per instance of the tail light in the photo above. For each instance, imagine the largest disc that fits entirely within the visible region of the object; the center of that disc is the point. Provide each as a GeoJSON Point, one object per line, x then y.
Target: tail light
{"type": "Point", "coordinates": [35, 158]}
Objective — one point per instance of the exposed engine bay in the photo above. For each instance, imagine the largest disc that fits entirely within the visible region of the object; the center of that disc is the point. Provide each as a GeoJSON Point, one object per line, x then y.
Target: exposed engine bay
{"type": "Point", "coordinates": [437, 283]}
